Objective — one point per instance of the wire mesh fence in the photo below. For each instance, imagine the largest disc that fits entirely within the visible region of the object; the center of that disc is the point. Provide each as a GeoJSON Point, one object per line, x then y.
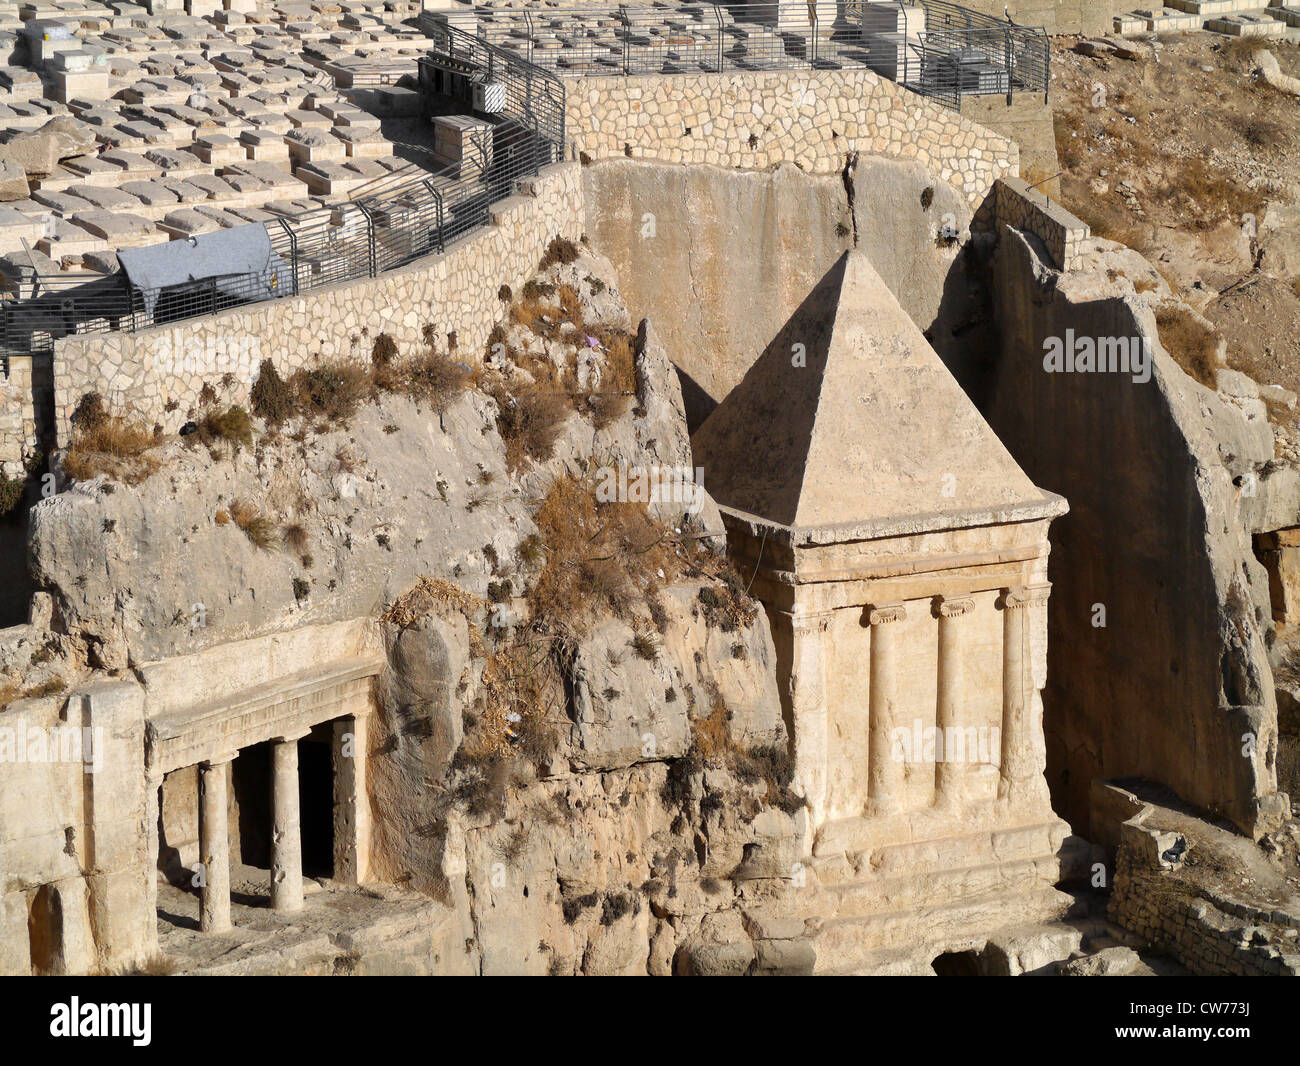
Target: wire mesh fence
{"type": "Point", "coordinates": [936, 49]}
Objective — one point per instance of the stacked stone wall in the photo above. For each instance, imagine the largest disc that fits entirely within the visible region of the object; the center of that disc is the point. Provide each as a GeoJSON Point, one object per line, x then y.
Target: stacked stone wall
{"type": "Point", "coordinates": [155, 375]}
{"type": "Point", "coordinates": [1209, 934]}
{"type": "Point", "coordinates": [1023, 208]}
{"type": "Point", "coordinates": [753, 121]}
{"type": "Point", "coordinates": [19, 390]}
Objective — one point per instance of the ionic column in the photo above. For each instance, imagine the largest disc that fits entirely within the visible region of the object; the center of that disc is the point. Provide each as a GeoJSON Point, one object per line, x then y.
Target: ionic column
{"type": "Point", "coordinates": [214, 846]}
{"type": "Point", "coordinates": [286, 830]}
{"type": "Point", "coordinates": [884, 769]}
{"type": "Point", "coordinates": [351, 802]}
{"type": "Point", "coordinates": [947, 773]}
{"type": "Point", "coordinates": [1017, 685]}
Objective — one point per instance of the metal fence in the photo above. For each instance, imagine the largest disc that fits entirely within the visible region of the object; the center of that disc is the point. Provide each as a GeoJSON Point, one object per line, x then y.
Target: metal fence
{"type": "Point", "coordinates": [388, 223]}
{"type": "Point", "coordinates": [949, 53]}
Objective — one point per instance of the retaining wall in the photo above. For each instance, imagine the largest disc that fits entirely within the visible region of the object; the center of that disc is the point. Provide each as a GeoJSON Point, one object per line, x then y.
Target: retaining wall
{"type": "Point", "coordinates": [155, 375]}
{"type": "Point", "coordinates": [753, 121]}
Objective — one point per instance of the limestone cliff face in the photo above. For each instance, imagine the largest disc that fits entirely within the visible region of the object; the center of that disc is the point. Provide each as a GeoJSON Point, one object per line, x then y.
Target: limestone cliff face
{"type": "Point", "coordinates": [1157, 663]}
{"type": "Point", "coordinates": [736, 252]}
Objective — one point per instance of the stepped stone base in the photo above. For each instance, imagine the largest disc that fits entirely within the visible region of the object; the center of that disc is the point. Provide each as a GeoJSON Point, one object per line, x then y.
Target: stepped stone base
{"type": "Point", "coordinates": [894, 907]}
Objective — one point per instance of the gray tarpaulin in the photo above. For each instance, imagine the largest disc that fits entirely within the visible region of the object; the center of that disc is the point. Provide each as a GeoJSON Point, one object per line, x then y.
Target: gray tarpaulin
{"type": "Point", "coordinates": [240, 260]}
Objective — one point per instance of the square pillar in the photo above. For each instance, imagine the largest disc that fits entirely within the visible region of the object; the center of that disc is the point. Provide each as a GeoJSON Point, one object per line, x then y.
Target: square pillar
{"type": "Point", "coordinates": [1018, 771]}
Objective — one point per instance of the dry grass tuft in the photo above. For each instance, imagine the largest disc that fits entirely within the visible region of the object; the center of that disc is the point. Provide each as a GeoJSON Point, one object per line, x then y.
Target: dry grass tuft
{"type": "Point", "coordinates": [104, 443]}
{"type": "Point", "coordinates": [294, 537]}
{"type": "Point", "coordinates": [1191, 345]}
{"type": "Point", "coordinates": [259, 529]}
{"type": "Point", "coordinates": [711, 735]}
{"type": "Point", "coordinates": [428, 595]}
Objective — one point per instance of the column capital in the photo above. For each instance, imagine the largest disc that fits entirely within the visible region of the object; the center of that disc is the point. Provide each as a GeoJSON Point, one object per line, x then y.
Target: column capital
{"type": "Point", "coordinates": [1018, 596]}
{"type": "Point", "coordinates": [219, 760]}
{"type": "Point", "coordinates": [883, 614]}
{"type": "Point", "coordinates": [949, 607]}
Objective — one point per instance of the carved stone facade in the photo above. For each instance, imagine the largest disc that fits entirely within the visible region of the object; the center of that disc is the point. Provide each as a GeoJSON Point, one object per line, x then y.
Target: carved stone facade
{"type": "Point", "coordinates": [904, 573]}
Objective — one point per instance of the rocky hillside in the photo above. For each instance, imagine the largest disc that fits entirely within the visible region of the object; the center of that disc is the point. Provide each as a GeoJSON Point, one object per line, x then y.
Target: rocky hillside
{"type": "Point", "coordinates": [581, 747]}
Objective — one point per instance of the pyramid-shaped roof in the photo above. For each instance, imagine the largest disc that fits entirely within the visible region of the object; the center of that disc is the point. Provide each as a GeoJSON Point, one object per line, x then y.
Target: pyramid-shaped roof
{"type": "Point", "coordinates": [871, 436]}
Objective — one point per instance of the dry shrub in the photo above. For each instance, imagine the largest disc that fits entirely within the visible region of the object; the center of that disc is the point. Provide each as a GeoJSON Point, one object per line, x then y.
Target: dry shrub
{"type": "Point", "coordinates": [608, 402]}
{"type": "Point", "coordinates": [231, 427]}
{"type": "Point", "coordinates": [332, 392]}
{"type": "Point", "coordinates": [1258, 132]}
{"type": "Point", "coordinates": [432, 378]}
{"type": "Point", "coordinates": [327, 394]}
{"type": "Point", "coordinates": [1193, 346]}
{"type": "Point", "coordinates": [294, 536]}
{"type": "Point", "coordinates": [271, 398]}
{"type": "Point", "coordinates": [104, 443]}
{"type": "Point", "coordinates": [1240, 51]}
{"type": "Point", "coordinates": [9, 691]}
{"type": "Point", "coordinates": [428, 595]}
{"type": "Point", "coordinates": [561, 250]}
{"type": "Point", "coordinates": [599, 556]}
{"type": "Point", "coordinates": [726, 604]}
{"type": "Point", "coordinates": [529, 423]}
{"type": "Point", "coordinates": [259, 529]}
{"type": "Point", "coordinates": [384, 351]}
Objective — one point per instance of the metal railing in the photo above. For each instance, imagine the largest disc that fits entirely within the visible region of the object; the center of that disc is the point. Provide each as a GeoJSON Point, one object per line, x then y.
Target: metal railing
{"type": "Point", "coordinates": [387, 223]}
{"type": "Point", "coordinates": [954, 53]}
{"type": "Point", "coordinates": [534, 95]}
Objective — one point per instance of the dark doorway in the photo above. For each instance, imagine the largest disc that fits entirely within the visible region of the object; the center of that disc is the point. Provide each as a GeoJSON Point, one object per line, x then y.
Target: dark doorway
{"type": "Point", "coordinates": [253, 794]}
{"type": "Point", "coordinates": [316, 801]}
{"type": "Point", "coordinates": [957, 964]}
{"type": "Point", "coordinates": [252, 783]}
